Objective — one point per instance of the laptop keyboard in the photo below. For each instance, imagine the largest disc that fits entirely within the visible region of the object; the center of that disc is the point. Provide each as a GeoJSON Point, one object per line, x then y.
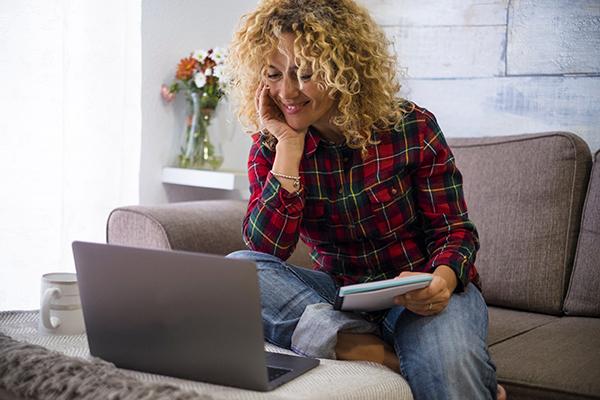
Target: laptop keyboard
{"type": "Point", "coordinates": [275, 372]}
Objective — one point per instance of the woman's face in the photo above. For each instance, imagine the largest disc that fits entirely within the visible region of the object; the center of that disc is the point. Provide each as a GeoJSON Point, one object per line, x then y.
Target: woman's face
{"type": "Point", "coordinates": [300, 100]}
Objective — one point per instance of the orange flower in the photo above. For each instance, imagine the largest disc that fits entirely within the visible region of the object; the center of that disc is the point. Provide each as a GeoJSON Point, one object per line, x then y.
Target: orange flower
{"type": "Point", "coordinates": [185, 69]}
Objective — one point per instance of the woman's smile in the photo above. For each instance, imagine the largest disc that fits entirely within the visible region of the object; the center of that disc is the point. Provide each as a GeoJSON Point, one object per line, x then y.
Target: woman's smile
{"type": "Point", "coordinates": [293, 108]}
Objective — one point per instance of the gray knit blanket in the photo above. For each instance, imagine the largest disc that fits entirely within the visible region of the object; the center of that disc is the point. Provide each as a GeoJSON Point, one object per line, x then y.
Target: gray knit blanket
{"type": "Point", "coordinates": [35, 372]}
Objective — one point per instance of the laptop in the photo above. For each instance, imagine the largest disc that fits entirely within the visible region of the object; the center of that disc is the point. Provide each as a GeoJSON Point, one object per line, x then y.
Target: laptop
{"type": "Point", "coordinates": [188, 315]}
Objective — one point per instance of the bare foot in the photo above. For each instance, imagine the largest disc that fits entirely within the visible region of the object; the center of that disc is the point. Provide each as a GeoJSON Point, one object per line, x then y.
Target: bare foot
{"type": "Point", "coordinates": [501, 393]}
{"type": "Point", "coordinates": [366, 347]}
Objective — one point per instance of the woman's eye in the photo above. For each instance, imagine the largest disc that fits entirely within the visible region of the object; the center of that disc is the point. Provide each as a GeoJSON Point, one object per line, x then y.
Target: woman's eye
{"type": "Point", "coordinates": [306, 77]}
{"type": "Point", "coordinates": [272, 76]}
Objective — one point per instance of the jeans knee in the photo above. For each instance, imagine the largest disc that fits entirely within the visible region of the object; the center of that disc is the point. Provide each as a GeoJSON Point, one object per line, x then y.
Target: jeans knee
{"type": "Point", "coordinates": [447, 363]}
{"type": "Point", "coordinates": [463, 355]}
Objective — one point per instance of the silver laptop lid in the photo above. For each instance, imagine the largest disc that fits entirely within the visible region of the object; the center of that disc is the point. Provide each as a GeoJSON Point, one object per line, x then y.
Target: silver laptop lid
{"type": "Point", "coordinates": [157, 311]}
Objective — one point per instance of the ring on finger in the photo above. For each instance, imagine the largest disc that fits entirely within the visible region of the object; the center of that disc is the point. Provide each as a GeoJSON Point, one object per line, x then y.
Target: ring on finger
{"type": "Point", "coordinates": [429, 306]}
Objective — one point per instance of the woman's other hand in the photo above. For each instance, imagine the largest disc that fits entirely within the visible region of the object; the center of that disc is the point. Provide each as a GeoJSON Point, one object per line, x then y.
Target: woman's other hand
{"type": "Point", "coordinates": [432, 299]}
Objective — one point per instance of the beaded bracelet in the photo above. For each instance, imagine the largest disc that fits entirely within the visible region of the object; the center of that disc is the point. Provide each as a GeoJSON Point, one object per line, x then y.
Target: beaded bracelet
{"type": "Point", "coordinates": [296, 179]}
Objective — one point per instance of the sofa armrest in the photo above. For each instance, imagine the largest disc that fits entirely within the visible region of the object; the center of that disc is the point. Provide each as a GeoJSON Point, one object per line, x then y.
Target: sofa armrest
{"type": "Point", "coordinates": [201, 226]}
{"type": "Point", "coordinates": [210, 226]}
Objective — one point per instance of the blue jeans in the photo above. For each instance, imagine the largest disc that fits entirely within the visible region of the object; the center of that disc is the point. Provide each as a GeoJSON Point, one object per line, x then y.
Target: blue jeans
{"type": "Point", "coordinates": [442, 357]}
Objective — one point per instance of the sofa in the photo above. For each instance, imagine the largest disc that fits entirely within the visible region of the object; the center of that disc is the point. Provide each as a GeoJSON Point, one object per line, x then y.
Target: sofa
{"type": "Point", "coordinates": [535, 200]}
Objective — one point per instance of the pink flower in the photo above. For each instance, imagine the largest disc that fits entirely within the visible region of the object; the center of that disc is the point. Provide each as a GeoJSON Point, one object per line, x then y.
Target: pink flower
{"type": "Point", "coordinates": [166, 94]}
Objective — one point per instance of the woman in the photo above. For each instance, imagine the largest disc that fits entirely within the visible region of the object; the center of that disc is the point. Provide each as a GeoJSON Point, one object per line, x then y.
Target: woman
{"type": "Point", "coordinates": [368, 182]}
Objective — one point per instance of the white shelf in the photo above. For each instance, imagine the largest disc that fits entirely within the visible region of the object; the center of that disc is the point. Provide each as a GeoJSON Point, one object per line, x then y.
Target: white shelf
{"type": "Point", "coordinates": [225, 180]}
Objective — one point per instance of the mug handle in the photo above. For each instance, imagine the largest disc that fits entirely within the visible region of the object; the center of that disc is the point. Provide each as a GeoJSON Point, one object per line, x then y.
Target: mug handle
{"type": "Point", "coordinates": [49, 295]}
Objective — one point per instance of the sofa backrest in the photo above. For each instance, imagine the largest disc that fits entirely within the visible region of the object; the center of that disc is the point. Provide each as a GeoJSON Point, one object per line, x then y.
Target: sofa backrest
{"type": "Point", "coordinates": [525, 194]}
{"type": "Point", "coordinates": [583, 297]}
{"type": "Point", "coordinates": [208, 226]}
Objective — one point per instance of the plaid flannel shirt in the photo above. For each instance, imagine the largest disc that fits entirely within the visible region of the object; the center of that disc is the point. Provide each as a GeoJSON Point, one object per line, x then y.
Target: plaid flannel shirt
{"type": "Point", "coordinates": [399, 209]}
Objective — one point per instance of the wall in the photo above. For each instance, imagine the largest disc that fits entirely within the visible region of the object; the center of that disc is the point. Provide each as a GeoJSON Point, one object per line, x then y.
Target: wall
{"type": "Point", "coordinates": [498, 67]}
{"type": "Point", "coordinates": [483, 67]}
{"type": "Point", "coordinates": [170, 31]}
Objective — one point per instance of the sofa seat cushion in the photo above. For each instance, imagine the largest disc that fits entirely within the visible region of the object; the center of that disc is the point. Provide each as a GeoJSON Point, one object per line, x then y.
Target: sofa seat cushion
{"type": "Point", "coordinates": [582, 298]}
{"type": "Point", "coordinates": [525, 194]}
{"type": "Point", "coordinates": [559, 360]}
{"type": "Point", "coordinates": [505, 324]}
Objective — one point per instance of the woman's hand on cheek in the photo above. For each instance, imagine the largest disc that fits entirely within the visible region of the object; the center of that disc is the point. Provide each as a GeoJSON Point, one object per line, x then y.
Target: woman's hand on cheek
{"type": "Point", "coordinates": [273, 119]}
{"type": "Point", "coordinates": [430, 300]}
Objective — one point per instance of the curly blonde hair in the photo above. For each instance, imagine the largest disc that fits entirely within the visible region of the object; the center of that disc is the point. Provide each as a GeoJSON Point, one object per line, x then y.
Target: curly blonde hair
{"type": "Point", "coordinates": [346, 50]}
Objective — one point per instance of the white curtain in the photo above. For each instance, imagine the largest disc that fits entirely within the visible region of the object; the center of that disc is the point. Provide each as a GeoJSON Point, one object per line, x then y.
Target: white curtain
{"type": "Point", "coordinates": [70, 132]}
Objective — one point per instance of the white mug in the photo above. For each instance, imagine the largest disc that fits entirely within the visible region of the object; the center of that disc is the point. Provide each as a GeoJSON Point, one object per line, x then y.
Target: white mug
{"type": "Point", "coordinates": [60, 305]}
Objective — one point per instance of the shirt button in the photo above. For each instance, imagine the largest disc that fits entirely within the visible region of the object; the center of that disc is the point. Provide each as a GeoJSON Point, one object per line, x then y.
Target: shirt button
{"type": "Point", "coordinates": [394, 191]}
{"type": "Point", "coordinates": [345, 159]}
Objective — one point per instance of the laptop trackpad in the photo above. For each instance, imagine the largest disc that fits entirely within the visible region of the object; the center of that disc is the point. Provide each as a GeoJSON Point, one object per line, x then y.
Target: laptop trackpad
{"type": "Point", "coordinates": [274, 372]}
{"type": "Point", "coordinates": [286, 366]}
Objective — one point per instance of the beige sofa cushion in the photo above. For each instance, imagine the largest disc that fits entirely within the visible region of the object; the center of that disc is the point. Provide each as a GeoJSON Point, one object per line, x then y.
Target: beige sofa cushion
{"type": "Point", "coordinates": [559, 360]}
{"type": "Point", "coordinates": [524, 194]}
{"type": "Point", "coordinates": [583, 297]}
{"type": "Point", "coordinates": [505, 323]}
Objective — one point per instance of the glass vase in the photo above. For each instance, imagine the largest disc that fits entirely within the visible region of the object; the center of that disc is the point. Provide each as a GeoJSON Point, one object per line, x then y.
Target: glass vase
{"type": "Point", "coordinates": [197, 150]}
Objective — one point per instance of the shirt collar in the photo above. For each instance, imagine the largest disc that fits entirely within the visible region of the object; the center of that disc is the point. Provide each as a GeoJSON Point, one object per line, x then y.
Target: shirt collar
{"type": "Point", "coordinates": [311, 142]}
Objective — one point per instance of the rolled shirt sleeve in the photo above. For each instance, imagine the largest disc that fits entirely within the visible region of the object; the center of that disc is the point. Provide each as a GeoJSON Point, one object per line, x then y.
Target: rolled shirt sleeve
{"type": "Point", "coordinates": [273, 218]}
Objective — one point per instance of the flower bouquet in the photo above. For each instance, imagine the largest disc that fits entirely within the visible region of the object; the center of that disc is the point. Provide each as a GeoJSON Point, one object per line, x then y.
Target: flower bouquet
{"type": "Point", "coordinates": [199, 77]}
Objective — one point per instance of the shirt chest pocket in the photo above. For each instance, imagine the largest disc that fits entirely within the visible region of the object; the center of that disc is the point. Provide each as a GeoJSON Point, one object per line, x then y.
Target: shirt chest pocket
{"type": "Point", "coordinates": [391, 204]}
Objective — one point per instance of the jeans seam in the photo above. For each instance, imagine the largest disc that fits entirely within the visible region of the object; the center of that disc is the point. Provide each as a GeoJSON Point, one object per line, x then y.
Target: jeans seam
{"type": "Point", "coordinates": [492, 374]}
{"type": "Point", "coordinates": [387, 327]}
{"type": "Point", "coordinates": [400, 362]}
{"type": "Point", "coordinates": [297, 351]}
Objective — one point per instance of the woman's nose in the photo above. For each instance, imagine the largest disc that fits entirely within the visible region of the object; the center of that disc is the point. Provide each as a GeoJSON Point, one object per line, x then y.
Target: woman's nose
{"type": "Point", "coordinates": [289, 88]}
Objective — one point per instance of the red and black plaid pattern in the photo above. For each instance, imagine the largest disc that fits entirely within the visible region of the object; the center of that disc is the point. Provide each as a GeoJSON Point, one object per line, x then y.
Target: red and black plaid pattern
{"type": "Point", "coordinates": [399, 209]}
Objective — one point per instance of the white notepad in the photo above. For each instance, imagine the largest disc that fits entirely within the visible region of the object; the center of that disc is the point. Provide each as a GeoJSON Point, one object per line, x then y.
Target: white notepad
{"type": "Point", "coordinates": [377, 295]}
